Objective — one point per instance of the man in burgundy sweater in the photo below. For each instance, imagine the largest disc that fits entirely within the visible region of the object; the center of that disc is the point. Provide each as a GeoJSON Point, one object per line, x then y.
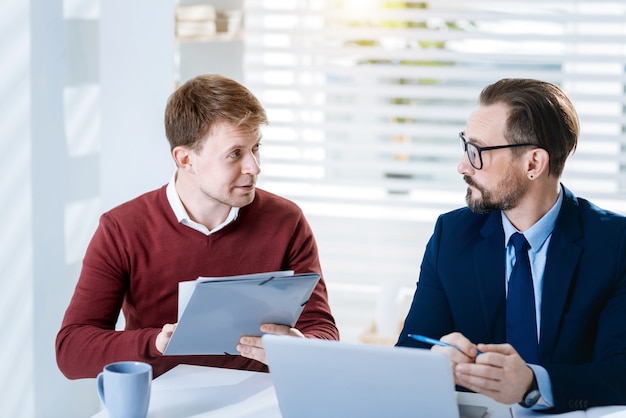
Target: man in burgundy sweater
{"type": "Point", "coordinates": [210, 220]}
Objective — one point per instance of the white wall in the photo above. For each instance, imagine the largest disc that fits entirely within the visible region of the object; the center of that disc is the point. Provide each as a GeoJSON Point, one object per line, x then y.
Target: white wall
{"type": "Point", "coordinates": [83, 86]}
{"type": "Point", "coordinates": [136, 78]}
{"type": "Point", "coordinates": [16, 243]}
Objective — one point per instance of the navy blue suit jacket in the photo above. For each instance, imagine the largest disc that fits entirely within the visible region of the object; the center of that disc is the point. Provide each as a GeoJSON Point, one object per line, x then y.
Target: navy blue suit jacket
{"type": "Point", "coordinates": [583, 320]}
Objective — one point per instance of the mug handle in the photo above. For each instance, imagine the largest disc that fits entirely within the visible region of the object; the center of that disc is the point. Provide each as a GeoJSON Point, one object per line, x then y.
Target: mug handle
{"type": "Point", "coordinates": [100, 386]}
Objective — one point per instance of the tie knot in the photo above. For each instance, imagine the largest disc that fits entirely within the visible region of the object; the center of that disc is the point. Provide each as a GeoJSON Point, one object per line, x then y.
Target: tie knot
{"type": "Point", "coordinates": [519, 242]}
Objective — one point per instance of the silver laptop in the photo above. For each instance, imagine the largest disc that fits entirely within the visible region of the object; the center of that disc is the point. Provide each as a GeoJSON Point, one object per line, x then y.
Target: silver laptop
{"type": "Point", "coordinates": [319, 378]}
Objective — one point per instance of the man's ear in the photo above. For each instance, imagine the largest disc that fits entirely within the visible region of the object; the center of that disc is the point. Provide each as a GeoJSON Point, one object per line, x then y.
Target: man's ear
{"type": "Point", "coordinates": [538, 163]}
{"type": "Point", "coordinates": [182, 157]}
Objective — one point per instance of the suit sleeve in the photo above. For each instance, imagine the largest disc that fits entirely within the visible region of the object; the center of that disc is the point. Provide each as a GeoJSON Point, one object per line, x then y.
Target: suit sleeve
{"type": "Point", "coordinates": [430, 312]}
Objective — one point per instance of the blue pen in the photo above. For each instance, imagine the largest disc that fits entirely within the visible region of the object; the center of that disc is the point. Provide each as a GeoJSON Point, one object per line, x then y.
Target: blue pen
{"type": "Point", "coordinates": [432, 341]}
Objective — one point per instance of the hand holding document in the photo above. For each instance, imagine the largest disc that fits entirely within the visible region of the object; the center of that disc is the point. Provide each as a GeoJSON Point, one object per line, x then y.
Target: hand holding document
{"type": "Point", "coordinates": [214, 312]}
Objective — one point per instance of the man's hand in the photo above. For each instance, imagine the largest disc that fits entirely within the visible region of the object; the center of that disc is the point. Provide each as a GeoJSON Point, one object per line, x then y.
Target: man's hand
{"type": "Point", "coordinates": [252, 347]}
{"type": "Point", "coordinates": [466, 353]}
{"type": "Point", "coordinates": [164, 337]}
{"type": "Point", "coordinates": [499, 373]}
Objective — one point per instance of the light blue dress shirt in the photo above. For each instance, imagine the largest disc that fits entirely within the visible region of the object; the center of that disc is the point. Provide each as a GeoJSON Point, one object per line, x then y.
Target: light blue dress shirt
{"type": "Point", "coordinates": [538, 236]}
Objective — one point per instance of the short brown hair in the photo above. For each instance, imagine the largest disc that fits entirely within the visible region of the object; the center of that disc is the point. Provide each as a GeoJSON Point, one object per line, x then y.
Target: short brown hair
{"type": "Point", "coordinates": [203, 101]}
{"type": "Point", "coordinates": [539, 113]}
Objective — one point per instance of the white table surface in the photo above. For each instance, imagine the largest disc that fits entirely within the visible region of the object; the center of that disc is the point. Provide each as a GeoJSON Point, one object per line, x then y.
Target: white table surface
{"type": "Point", "coordinates": [196, 391]}
{"type": "Point", "coordinates": [204, 392]}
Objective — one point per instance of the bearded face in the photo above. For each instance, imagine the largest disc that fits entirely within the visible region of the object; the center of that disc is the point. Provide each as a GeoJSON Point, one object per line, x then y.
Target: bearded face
{"type": "Point", "coordinates": [505, 195]}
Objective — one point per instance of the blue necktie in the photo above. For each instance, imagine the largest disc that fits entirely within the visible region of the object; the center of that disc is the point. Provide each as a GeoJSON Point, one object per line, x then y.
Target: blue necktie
{"type": "Point", "coordinates": [521, 322]}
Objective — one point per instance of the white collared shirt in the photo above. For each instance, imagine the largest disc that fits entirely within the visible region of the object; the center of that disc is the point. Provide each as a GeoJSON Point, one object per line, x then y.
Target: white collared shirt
{"type": "Point", "coordinates": [183, 216]}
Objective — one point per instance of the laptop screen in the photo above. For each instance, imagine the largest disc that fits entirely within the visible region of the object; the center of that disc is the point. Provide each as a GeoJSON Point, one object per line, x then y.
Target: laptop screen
{"type": "Point", "coordinates": [319, 378]}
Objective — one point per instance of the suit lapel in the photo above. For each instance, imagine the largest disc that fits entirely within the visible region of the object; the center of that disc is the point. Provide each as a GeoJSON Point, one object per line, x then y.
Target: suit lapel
{"type": "Point", "coordinates": [562, 261]}
{"type": "Point", "coordinates": [489, 257]}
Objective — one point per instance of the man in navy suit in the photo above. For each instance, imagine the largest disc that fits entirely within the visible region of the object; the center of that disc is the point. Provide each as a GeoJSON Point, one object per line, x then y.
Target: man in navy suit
{"type": "Point", "coordinates": [515, 145]}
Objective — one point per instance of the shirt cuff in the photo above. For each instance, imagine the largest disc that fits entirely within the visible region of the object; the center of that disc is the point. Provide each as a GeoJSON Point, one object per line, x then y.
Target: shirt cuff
{"type": "Point", "coordinates": [545, 388]}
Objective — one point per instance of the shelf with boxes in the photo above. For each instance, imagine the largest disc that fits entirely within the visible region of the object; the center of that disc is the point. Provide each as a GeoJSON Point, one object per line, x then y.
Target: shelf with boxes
{"type": "Point", "coordinates": [209, 38]}
{"type": "Point", "coordinates": [205, 23]}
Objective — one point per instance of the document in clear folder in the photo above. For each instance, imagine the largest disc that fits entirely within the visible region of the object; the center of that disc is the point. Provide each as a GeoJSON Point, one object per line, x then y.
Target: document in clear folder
{"type": "Point", "coordinates": [214, 312]}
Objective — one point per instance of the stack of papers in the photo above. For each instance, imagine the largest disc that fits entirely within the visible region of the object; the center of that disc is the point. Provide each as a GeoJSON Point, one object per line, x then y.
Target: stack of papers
{"type": "Point", "coordinates": [215, 312]}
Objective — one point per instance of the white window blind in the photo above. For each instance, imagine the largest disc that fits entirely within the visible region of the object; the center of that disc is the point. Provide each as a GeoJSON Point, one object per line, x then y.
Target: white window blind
{"type": "Point", "coordinates": [366, 99]}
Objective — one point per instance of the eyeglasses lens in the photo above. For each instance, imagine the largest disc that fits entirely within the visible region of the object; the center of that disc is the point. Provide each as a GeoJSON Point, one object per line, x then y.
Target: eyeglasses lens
{"type": "Point", "coordinates": [472, 155]}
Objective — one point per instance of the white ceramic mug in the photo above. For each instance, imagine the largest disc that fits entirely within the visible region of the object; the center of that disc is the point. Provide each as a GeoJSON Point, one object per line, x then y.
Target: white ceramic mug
{"type": "Point", "coordinates": [124, 388]}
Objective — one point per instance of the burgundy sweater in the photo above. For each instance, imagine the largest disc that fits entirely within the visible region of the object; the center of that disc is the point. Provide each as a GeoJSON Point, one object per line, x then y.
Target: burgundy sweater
{"type": "Point", "coordinates": [138, 255]}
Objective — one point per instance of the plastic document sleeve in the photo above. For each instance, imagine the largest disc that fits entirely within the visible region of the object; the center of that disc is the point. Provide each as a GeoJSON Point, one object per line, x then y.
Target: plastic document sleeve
{"type": "Point", "coordinates": [214, 313]}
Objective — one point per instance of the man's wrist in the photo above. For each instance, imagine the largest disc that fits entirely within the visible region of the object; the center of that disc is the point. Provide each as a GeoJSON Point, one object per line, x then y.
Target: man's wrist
{"type": "Point", "coordinates": [532, 395]}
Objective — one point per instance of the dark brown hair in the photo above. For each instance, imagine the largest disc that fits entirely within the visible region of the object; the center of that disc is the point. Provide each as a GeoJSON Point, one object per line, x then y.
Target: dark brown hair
{"type": "Point", "coordinates": [204, 101]}
{"type": "Point", "coordinates": [539, 113]}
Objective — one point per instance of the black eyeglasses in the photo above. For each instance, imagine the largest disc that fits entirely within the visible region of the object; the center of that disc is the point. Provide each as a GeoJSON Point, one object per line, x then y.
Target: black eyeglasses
{"type": "Point", "coordinates": [474, 152]}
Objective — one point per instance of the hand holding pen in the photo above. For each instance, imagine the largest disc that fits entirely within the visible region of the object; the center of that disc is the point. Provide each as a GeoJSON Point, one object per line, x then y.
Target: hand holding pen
{"type": "Point", "coordinates": [432, 341]}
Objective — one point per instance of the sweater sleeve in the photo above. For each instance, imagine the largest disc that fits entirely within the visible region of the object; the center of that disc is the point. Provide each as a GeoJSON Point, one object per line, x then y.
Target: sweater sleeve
{"type": "Point", "coordinates": [87, 339]}
{"type": "Point", "coordinates": [316, 320]}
